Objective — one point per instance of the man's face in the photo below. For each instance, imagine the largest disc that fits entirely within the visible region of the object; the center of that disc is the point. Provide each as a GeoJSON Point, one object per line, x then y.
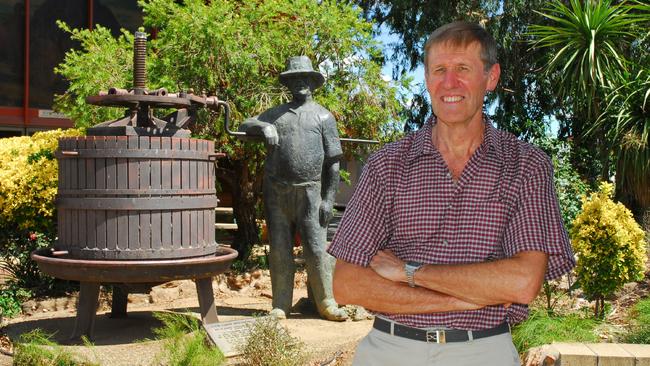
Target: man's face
{"type": "Point", "coordinates": [457, 82]}
{"type": "Point", "coordinates": [298, 86]}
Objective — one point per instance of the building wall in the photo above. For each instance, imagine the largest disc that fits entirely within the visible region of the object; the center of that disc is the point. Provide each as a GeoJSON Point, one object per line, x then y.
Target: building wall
{"type": "Point", "coordinates": [32, 45]}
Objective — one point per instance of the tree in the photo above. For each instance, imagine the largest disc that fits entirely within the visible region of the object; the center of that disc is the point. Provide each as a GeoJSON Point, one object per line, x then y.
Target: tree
{"type": "Point", "coordinates": [600, 51]}
{"type": "Point", "coordinates": [610, 247]}
{"type": "Point", "coordinates": [522, 99]}
{"type": "Point", "coordinates": [585, 45]}
{"type": "Point", "coordinates": [236, 50]}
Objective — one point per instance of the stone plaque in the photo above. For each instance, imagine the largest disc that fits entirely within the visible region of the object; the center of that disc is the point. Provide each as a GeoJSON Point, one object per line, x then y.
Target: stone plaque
{"type": "Point", "coordinates": [229, 335]}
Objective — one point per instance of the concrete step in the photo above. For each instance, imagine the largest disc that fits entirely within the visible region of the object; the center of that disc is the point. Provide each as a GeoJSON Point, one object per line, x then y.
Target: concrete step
{"type": "Point", "coordinates": [590, 354]}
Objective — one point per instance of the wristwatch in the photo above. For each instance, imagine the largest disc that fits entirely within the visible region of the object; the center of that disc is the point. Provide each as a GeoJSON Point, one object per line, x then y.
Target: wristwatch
{"type": "Point", "coordinates": [410, 267]}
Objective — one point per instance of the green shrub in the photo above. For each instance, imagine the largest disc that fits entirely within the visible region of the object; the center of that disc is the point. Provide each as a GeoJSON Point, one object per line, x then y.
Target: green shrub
{"type": "Point", "coordinates": [610, 247]}
{"type": "Point", "coordinates": [186, 343]}
{"type": "Point", "coordinates": [28, 186]}
{"type": "Point", "coordinates": [270, 344]}
{"type": "Point", "coordinates": [28, 181]}
{"type": "Point", "coordinates": [11, 297]}
{"type": "Point", "coordinates": [541, 328]}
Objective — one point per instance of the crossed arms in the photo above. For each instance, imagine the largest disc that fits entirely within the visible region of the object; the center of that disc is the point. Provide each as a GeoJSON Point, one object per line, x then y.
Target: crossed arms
{"type": "Point", "coordinates": [382, 285]}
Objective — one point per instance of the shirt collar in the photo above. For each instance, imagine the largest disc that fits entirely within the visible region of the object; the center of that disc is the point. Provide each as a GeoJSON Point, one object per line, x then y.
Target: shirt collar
{"type": "Point", "coordinates": [423, 145]}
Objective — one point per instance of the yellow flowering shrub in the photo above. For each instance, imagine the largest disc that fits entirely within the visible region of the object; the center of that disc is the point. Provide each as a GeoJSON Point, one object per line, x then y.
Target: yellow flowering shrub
{"type": "Point", "coordinates": [609, 244]}
{"type": "Point", "coordinates": [28, 180]}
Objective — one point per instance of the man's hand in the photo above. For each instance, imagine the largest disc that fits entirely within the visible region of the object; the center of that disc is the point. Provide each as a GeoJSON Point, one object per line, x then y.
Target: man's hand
{"type": "Point", "coordinates": [387, 265]}
{"type": "Point", "coordinates": [325, 212]}
{"type": "Point", "coordinates": [271, 135]}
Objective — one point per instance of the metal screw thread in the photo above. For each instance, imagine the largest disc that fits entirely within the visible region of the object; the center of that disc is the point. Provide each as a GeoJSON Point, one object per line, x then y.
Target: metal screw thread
{"type": "Point", "coordinates": [139, 66]}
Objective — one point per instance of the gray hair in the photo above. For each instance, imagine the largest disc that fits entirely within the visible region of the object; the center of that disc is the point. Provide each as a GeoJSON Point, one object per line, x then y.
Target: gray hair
{"type": "Point", "coordinates": [462, 34]}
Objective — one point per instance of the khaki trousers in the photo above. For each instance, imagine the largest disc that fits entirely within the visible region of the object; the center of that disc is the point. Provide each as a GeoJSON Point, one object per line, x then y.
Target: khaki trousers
{"type": "Point", "coordinates": [382, 349]}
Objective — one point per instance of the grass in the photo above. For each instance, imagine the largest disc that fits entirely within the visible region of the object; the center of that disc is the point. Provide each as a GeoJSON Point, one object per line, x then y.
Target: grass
{"type": "Point", "coordinates": [270, 344]}
{"type": "Point", "coordinates": [186, 343]}
{"type": "Point", "coordinates": [541, 328]}
{"type": "Point", "coordinates": [37, 349]}
{"type": "Point", "coordinates": [639, 323]}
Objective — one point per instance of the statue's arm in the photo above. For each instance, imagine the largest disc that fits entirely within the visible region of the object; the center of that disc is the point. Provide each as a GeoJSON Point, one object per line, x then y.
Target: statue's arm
{"type": "Point", "coordinates": [330, 174]}
{"type": "Point", "coordinates": [257, 130]}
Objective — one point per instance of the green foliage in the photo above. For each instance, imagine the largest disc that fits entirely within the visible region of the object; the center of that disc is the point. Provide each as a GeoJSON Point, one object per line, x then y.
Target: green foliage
{"type": "Point", "coordinates": [236, 50]}
{"type": "Point", "coordinates": [186, 343]}
{"type": "Point", "coordinates": [568, 184]}
{"type": "Point", "coordinates": [37, 349]}
{"type": "Point", "coordinates": [541, 328]}
{"type": "Point", "coordinates": [639, 323]}
{"type": "Point", "coordinates": [99, 63]}
{"type": "Point", "coordinates": [598, 52]}
{"type": "Point", "coordinates": [587, 37]}
{"type": "Point", "coordinates": [28, 182]}
{"type": "Point", "coordinates": [270, 344]}
{"type": "Point", "coordinates": [28, 185]}
{"type": "Point", "coordinates": [627, 120]}
{"type": "Point", "coordinates": [523, 97]}
{"type": "Point", "coordinates": [11, 297]}
{"type": "Point", "coordinates": [23, 271]}
{"type": "Point", "coordinates": [610, 247]}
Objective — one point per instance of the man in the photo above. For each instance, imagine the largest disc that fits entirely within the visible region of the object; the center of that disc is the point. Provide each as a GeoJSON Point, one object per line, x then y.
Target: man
{"type": "Point", "coordinates": [452, 230]}
{"type": "Point", "coordinates": [301, 175]}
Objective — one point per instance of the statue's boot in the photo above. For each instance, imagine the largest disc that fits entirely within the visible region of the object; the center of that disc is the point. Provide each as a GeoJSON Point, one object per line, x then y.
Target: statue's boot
{"type": "Point", "coordinates": [332, 312]}
{"type": "Point", "coordinates": [278, 313]}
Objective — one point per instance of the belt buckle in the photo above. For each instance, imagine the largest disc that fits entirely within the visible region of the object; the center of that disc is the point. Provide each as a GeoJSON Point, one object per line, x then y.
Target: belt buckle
{"type": "Point", "coordinates": [436, 336]}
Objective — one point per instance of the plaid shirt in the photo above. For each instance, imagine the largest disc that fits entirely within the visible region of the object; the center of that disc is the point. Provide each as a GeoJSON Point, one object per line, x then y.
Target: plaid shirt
{"type": "Point", "coordinates": [504, 202]}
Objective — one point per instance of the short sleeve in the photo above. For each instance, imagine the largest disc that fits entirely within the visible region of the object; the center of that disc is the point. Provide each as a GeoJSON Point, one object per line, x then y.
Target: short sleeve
{"type": "Point", "coordinates": [364, 227]}
{"type": "Point", "coordinates": [331, 142]}
{"type": "Point", "coordinates": [536, 224]}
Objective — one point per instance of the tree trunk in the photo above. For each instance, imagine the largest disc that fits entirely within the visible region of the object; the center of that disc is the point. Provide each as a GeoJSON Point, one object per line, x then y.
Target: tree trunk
{"type": "Point", "coordinates": [245, 193]}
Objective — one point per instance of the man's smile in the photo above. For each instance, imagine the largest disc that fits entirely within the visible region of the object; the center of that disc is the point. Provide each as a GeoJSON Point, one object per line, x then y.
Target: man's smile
{"type": "Point", "coordinates": [452, 99]}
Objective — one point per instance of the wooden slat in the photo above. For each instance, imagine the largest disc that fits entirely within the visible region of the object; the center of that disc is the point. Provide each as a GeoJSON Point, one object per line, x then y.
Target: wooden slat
{"type": "Point", "coordinates": [81, 164]}
{"type": "Point", "coordinates": [185, 183]}
{"type": "Point", "coordinates": [210, 232]}
{"type": "Point", "coordinates": [177, 223]}
{"type": "Point", "coordinates": [145, 183]}
{"type": "Point", "coordinates": [100, 165]}
{"type": "Point", "coordinates": [166, 181]}
{"type": "Point", "coordinates": [100, 224]}
{"type": "Point", "coordinates": [122, 217]}
{"type": "Point", "coordinates": [90, 164]}
{"type": "Point", "coordinates": [156, 216]}
{"type": "Point", "coordinates": [73, 177]}
{"type": "Point", "coordinates": [200, 234]}
{"type": "Point", "coordinates": [193, 167]}
{"type": "Point", "coordinates": [155, 165]}
{"type": "Point", "coordinates": [111, 183]}
{"type": "Point", "coordinates": [111, 164]}
{"type": "Point", "coordinates": [176, 176]}
{"type": "Point", "coordinates": [80, 215]}
{"type": "Point", "coordinates": [133, 179]}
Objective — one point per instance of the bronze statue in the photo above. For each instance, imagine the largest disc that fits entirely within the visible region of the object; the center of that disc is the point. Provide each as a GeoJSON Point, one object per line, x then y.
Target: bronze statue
{"type": "Point", "coordinates": [301, 175]}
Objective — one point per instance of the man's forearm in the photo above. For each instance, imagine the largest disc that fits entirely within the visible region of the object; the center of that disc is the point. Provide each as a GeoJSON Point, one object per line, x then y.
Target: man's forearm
{"type": "Point", "coordinates": [362, 286]}
{"type": "Point", "coordinates": [511, 280]}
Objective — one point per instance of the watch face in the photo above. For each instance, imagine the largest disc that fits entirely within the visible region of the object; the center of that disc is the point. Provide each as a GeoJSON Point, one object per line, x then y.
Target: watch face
{"type": "Point", "coordinates": [413, 264]}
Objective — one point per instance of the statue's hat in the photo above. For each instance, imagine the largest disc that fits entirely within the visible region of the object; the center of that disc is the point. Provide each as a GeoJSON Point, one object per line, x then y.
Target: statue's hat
{"type": "Point", "coordinates": [300, 66]}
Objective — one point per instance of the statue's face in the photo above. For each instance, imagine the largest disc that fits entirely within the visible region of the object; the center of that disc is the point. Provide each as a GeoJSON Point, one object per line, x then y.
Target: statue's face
{"type": "Point", "coordinates": [299, 87]}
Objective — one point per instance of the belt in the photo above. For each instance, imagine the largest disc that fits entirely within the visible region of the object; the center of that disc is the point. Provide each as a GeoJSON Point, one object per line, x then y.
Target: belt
{"type": "Point", "coordinates": [437, 336]}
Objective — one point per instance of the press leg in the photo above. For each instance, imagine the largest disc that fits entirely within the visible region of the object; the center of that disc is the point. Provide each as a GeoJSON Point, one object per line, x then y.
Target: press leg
{"type": "Point", "coordinates": [206, 300]}
{"type": "Point", "coordinates": [86, 309]}
{"type": "Point", "coordinates": [119, 303]}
